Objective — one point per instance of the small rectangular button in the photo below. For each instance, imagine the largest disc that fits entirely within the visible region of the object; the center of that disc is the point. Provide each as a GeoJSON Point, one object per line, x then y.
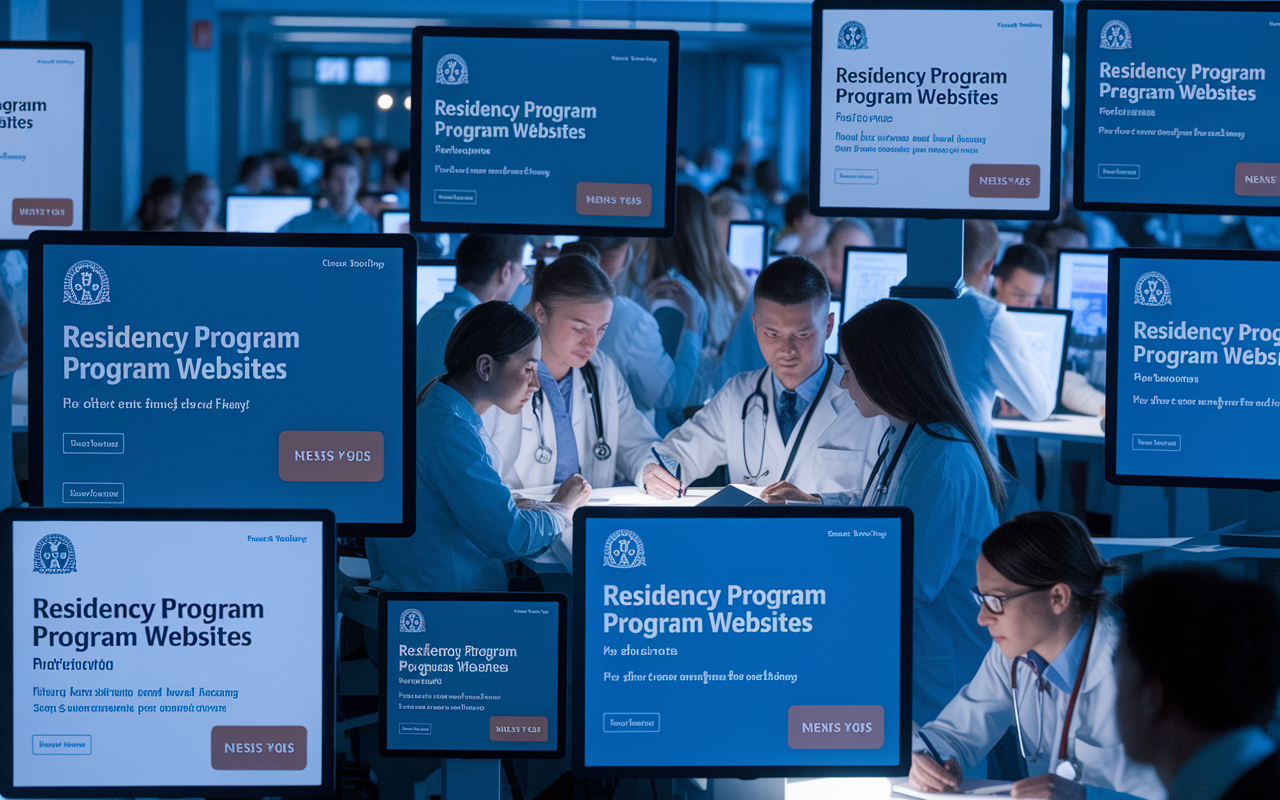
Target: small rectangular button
{"type": "Point", "coordinates": [92, 443]}
{"type": "Point", "coordinates": [93, 493]}
{"type": "Point", "coordinates": [1159, 442]}
{"type": "Point", "coordinates": [456, 197]}
{"type": "Point", "coordinates": [415, 728]}
{"type": "Point", "coordinates": [835, 727]}
{"type": "Point", "coordinates": [248, 747]}
{"type": "Point", "coordinates": [332, 456]}
{"type": "Point", "coordinates": [615, 199]}
{"type": "Point", "coordinates": [1004, 180]}
{"type": "Point", "coordinates": [1258, 180]}
{"type": "Point", "coordinates": [42, 211]}
{"type": "Point", "coordinates": [1120, 172]}
{"type": "Point", "coordinates": [517, 729]}
{"type": "Point", "coordinates": [632, 722]}
{"type": "Point", "coordinates": [863, 176]}
{"type": "Point", "coordinates": [62, 745]}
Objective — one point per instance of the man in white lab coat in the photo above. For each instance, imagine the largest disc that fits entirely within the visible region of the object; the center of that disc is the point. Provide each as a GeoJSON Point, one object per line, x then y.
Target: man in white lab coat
{"type": "Point", "coordinates": [789, 421]}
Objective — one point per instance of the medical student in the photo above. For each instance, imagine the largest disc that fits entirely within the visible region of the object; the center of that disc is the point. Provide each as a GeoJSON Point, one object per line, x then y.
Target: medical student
{"type": "Point", "coordinates": [787, 421]}
{"type": "Point", "coordinates": [340, 182]}
{"type": "Point", "coordinates": [582, 419]}
{"type": "Point", "coordinates": [469, 524]}
{"type": "Point", "coordinates": [1048, 673]}
{"type": "Point", "coordinates": [932, 460]}
{"type": "Point", "coordinates": [488, 268]}
{"type": "Point", "coordinates": [988, 351]}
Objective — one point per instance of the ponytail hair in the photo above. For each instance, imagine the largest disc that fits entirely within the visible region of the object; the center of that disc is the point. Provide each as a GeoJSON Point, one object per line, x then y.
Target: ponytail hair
{"type": "Point", "coordinates": [572, 277]}
{"type": "Point", "coordinates": [1039, 549]}
{"type": "Point", "coordinates": [899, 359]}
{"type": "Point", "coordinates": [496, 328]}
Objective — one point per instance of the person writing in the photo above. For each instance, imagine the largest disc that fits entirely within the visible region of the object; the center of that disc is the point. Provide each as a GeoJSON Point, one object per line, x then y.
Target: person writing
{"type": "Point", "coordinates": [931, 460]}
{"type": "Point", "coordinates": [469, 524]}
{"type": "Point", "coordinates": [1048, 673]}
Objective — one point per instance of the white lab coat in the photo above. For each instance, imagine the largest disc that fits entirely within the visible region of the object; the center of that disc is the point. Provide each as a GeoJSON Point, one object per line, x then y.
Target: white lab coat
{"type": "Point", "coordinates": [837, 452]}
{"type": "Point", "coordinates": [628, 432]}
{"type": "Point", "coordinates": [974, 721]}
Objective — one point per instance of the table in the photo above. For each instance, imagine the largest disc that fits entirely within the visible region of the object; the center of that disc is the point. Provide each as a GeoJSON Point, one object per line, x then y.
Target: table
{"type": "Point", "coordinates": [1026, 438]}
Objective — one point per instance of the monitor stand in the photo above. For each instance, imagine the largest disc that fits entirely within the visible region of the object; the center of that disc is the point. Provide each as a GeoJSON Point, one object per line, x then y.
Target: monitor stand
{"type": "Point", "coordinates": [935, 260]}
{"type": "Point", "coordinates": [471, 778]}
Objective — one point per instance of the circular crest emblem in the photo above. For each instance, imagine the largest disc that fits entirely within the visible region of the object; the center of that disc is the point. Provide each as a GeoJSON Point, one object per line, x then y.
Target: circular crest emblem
{"type": "Point", "coordinates": [853, 36]}
{"type": "Point", "coordinates": [86, 284]}
{"type": "Point", "coordinates": [1116, 36]}
{"type": "Point", "coordinates": [451, 70]}
{"type": "Point", "coordinates": [55, 555]}
{"type": "Point", "coordinates": [1152, 289]}
{"type": "Point", "coordinates": [412, 621]}
{"type": "Point", "coordinates": [624, 550]}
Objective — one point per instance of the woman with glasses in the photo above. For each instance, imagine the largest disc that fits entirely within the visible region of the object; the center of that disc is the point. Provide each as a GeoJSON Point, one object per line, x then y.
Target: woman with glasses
{"type": "Point", "coordinates": [1048, 674]}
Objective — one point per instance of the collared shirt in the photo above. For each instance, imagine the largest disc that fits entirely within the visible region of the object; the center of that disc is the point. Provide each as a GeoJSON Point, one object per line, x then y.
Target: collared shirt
{"type": "Point", "coordinates": [1219, 764]}
{"type": "Point", "coordinates": [1062, 672]}
{"type": "Point", "coordinates": [560, 403]}
{"type": "Point", "coordinates": [805, 392]}
{"type": "Point", "coordinates": [324, 220]}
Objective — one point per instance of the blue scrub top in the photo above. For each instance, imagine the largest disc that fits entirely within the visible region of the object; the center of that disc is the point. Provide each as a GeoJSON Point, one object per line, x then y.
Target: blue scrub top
{"type": "Point", "coordinates": [434, 329]}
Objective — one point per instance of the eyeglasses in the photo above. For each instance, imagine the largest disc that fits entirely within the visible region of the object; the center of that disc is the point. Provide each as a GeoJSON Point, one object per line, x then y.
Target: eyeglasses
{"type": "Point", "coordinates": [995, 602]}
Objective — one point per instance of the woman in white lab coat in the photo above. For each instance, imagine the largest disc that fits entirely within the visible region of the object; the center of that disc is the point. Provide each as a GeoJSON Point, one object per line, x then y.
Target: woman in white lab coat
{"type": "Point", "coordinates": [1048, 672]}
{"type": "Point", "coordinates": [468, 522]}
{"type": "Point", "coordinates": [583, 418]}
{"type": "Point", "coordinates": [932, 460]}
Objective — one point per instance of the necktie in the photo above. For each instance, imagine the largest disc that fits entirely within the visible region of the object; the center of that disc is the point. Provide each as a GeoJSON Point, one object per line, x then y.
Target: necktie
{"type": "Point", "coordinates": [787, 414]}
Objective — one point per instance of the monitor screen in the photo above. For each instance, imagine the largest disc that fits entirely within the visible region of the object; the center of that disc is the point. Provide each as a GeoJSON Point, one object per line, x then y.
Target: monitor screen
{"type": "Point", "coordinates": [906, 121]}
{"type": "Point", "coordinates": [544, 131]}
{"type": "Point", "coordinates": [435, 280]}
{"type": "Point", "coordinates": [694, 615]}
{"type": "Point", "coordinates": [832, 346]}
{"type": "Point", "coordinates": [132, 676]}
{"type": "Point", "coordinates": [248, 370]}
{"type": "Point", "coordinates": [869, 275]}
{"type": "Point", "coordinates": [44, 138]}
{"type": "Point", "coordinates": [1046, 332]}
{"type": "Point", "coordinates": [1082, 287]}
{"type": "Point", "coordinates": [1162, 85]}
{"type": "Point", "coordinates": [395, 221]}
{"type": "Point", "coordinates": [1192, 382]}
{"type": "Point", "coordinates": [748, 243]}
{"type": "Point", "coordinates": [473, 675]}
{"type": "Point", "coordinates": [261, 213]}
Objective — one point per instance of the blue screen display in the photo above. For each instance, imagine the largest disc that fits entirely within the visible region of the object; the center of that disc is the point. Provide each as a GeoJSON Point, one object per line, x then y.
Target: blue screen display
{"type": "Point", "coordinates": [1197, 378]}
{"type": "Point", "coordinates": [469, 675]}
{"type": "Point", "coordinates": [1179, 107]}
{"type": "Point", "coordinates": [216, 376]}
{"type": "Point", "coordinates": [563, 132]}
{"type": "Point", "coordinates": [709, 645]}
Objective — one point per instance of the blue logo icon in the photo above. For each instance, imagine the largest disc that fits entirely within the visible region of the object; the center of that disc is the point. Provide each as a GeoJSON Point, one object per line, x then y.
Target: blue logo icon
{"type": "Point", "coordinates": [1152, 290]}
{"type": "Point", "coordinates": [412, 621]}
{"type": "Point", "coordinates": [1116, 36]}
{"type": "Point", "coordinates": [86, 284]}
{"type": "Point", "coordinates": [853, 36]}
{"type": "Point", "coordinates": [451, 70]}
{"type": "Point", "coordinates": [55, 555]}
{"type": "Point", "coordinates": [624, 550]}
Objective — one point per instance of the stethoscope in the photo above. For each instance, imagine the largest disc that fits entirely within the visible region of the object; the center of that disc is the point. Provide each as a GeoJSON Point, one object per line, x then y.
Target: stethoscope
{"type": "Point", "coordinates": [1068, 767]}
{"type": "Point", "coordinates": [882, 491]}
{"type": "Point", "coordinates": [602, 450]}
{"type": "Point", "coordinates": [753, 477]}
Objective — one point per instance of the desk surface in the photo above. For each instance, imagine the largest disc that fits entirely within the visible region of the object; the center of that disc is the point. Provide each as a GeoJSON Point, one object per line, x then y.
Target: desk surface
{"type": "Point", "coordinates": [1066, 427]}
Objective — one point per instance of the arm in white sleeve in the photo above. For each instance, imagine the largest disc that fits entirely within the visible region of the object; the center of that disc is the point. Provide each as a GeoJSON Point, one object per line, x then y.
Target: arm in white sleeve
{"type": "Point", "coordinates": [699, 444]}
{"type": "Point", "coordinates": [636, 437]}
{"type": "Point", "coordinates": [975, 719]}
{"type": "Point", "coordinates": [636, 348]}
{"type": "Point", "coordinates": [1079, 396]}
{"type": "Point", "coordinates": [1013, 371]}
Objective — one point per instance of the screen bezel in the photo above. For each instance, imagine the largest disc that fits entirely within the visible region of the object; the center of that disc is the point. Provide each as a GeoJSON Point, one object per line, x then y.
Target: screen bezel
{"type": "Point", "coordinates": [778, 514]}
{"type": "Point", "coordinates": [35, 346]}
{"type": "Point", "coordinates": [418, 225]}
{"type": "Point", "coordinates": [87, 48]}
{"type": "Point", "coordinates": [226, 205]}
{"type": "Point", "coordinates": [1057, 273]}
{"type": "Point", "coordinates": [848, 251]}
{"type": "Point", "coordinates": [324, 738]}
{"type": "Point", "coordinates": [562, 603]}
{"type": "Point", "coordinates": [1066, 341]}
{"type": "Point", "coordinates": [1083, 40]}
{"type": "Point", "coordinates": [764, 248]}
{"type": "Point", "coordinates": [1113, 366]}
{"type": "Point", "coordinates": [1053, 185]}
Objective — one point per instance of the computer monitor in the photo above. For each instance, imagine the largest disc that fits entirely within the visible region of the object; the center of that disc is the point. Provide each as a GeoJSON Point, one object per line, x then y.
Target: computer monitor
{"type": "Point", "coordinates": [563, 239]}
{"type": "Point", "coordinates": [748, 247]}
{"type": "Point", "coordinates": [869, 274]}
{"type": "Point", "coordinates": [1081, 285]}
{"type": "Point", "coordinates": [436, 278]}
{"type": "Point", "coordinates": [832, 346]}
{"type": "Point", "coordinates": [1164, 85]}
{"type": "Point", "coordinates": [703, 649]}
{"type": "Point", "coordinates": [535, 131]}
{"type": "Point", "coordinates": [44, 138]}
{"type": "Point", "coordinates": [1046, 333]}
{"type": "Point", "coordinates": [905, 123]}
{"type": "Point", "coordinates": [247, 370]}
{"type": "Point", "coordinates": [472, 675]}
{"type": "Point", "coordinates": [264, 213]}
{"type": "Point", "coordinates": [394, 222]}
{"type": "Point", "coordinates": [172, 653]}
{"type": "Point", "coordinates": [1192, 381]}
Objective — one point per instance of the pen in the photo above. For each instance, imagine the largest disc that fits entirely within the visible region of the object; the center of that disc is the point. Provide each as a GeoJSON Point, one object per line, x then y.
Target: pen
{"type": "Point", "coordinates": [932, 750]}
{"type": "Point", "coordinates": [665, 464]}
